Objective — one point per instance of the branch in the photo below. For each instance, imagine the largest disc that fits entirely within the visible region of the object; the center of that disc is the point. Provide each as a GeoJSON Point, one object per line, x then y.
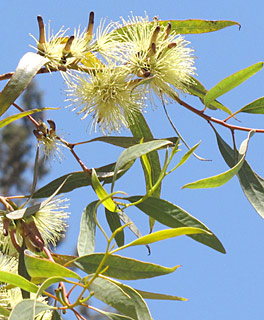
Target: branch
{"type": "Point", "coordinates": [215, 120]}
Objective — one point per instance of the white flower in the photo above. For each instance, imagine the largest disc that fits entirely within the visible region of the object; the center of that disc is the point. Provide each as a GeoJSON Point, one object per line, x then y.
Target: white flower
{"type": "Point", "coordinates": [45, 226]}
{"type": "Point", "coordinates": [106, 94]}
{"type": "Point", "coordinates": [49, 141]}
{"type": "Point", "coordinates": [158, 54]}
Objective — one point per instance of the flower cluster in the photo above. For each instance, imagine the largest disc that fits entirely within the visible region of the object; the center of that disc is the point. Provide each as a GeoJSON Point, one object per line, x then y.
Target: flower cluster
{"type": "Point", "coordinates": [118, 67]}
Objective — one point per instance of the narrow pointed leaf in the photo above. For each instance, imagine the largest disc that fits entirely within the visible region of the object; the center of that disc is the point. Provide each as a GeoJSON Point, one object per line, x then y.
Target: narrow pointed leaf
{"type": "Point", "coordinates": [80, 179]}
{"type": "Point", "coordinates": [256, 107]}
{"type": "Point", "coordinates": [173, 216]}
{"type": "Point", "coordinates": [140, 129]}
{"type": "Point", "coordinates": [165, 234]}
{"type": "Point", "coordinates": [187, 155]}
{"type": "Point", "coordinates": [134, 152]}
{"type": "Point", "coordinates": [159, 296]}
{"type": "Point", "coordinates": [113, 316]}
{"type": "Point", "coordinates": [27, 67]}
{"type": "Point", "coordinates": [251, 183]}
{"type": "Point", "coordinates": [27, 309]}
{"type": "Point", "coordinates": [126, 142]}
{"type": "Point", "coordinates": [110, 293]}
{"type": "Point", "coordinates": [220, 179]}
{"type": "Point", "coordinates": [18, 281]}
{"type": "Point", "coordinates": [114, 223]}
{"type": "Point", "coordinates": [86, 240]}
{"type": "Point", "coordinates": [43, 268]}
{"type": "Point", "coordinates": [192, 26]}
{"type": "Point", "coordinates": [231, 82]}
{"type": "Point", "coordinates": [21, 115]}
{"type": "Point", "coordinates": [121, 297]}
{"type": "Point", "coordinates": [102, 194]}
{"type": "Point", "coordinates": [198, 90]}
{"type": "Point", "coordinates": [121, 267]}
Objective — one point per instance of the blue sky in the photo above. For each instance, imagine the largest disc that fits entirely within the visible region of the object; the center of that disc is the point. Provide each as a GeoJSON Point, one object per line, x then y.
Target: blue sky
{"type": "Point", "coordinates": [218, 286]}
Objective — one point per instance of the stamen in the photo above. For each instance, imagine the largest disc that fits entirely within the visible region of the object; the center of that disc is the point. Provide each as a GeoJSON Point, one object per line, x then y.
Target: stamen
{"type": "Point", "coordinates": [154, 36]}
{"type": "Point", "coordinates": [167, 31]}
{"type": "Point", "coordinates": [89, 32]}
{"type": "Point", "coordinates": [52, 124]}
{"type": "Point", "coordinates": [42, 37]}
{"type": "Point", "coordinates": [68, 44]}
{"type": "Point", "coordinates": [172, 45]}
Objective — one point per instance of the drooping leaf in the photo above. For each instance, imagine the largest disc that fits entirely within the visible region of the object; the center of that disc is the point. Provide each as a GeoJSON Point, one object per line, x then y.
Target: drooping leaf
{"type": "Point", "coordinates": [118, 296]}
{"type": "Point", "coordinates": [126, 142]}
{"type": "Point", "coordinates": [197, 89]}
{"type": "Point", "coordinates": [231, 82]}
{"type": "Point", "coordinates": [114, 223]}
{"type": "Point", "coordinates": [164, 234]}
{"type": "Point", "coordinates": [43, 268]}
{"type": "Point", "coordinates": [86, 240]}
{"type": "Point", "coordinates": [220, 179]}
{"type": "Point", "coordinates": [80, 179]}
{"type": "Point", "coordinates": [121, 267]}
{"type": "Point", "coordinates": [159, 296]}
{"type": "Point", "coordinates": [21, 115]}
{"type": "Point", "coordinates": [17, 281]}
{"type": "Point", "coordinates": [27, 67]}
{"type": "Point", "coordinates": [102, 194]}
{"type": "Point", "coordinates": [173, 216]}
{"type": "Point", "coordinates": [251, 183]}
{"type": "Point", "coordinates": [24, 310]}
{"type": "Point", "coordinates": [134, 152]}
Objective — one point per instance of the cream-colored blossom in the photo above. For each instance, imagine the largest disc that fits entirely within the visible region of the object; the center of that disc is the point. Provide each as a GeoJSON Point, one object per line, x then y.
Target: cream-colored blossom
{"type": "Point", "coordinates": [51, 220]}
{"type": "Point", "coordinates": [43, 228]}
{"type": "Point", "coordinates": [158, 54]}
{"type": "Point", "coordinates": [49, 141]}
{"type": "Point", "coordinates": [107, 96]}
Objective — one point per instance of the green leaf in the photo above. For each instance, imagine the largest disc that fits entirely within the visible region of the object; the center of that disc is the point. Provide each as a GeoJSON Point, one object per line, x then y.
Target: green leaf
{"type": "Point", "coordinates": [43, 268]}
{"type": "Point", "coordinates": [173, 216]}
{"type": "Point", "coordinates": [134, 152]}
{"type": "Point", "coordinates": [18, 281]}
{"type": "Point", "coordinates": [198, 26]}
{"type": "Point", "coordinates": [48, 282]}
{"type": "Point", "coordinates": [102, 194]}
{"type": "Point", "coordinates": [220, 179]}
{"type": "Point", "coordinates": [20, 115]}
{"type": "Point", "coordinates": [231, 82]}
{"type": "Point", "coordinates": [159, 296]}
{"type": "Point", "coordinates": [187, 155]}
{"type": "Point", "coordinates": [27, 67]}
{"type": "Point", "coordinates": [55, 315]}
{"type": "Point", "coordinates": [4, 312]}
{"type": "Point", "coordinates": [114, 223]}
{"type": "Point", "coordinates": [113, 316]}
{"type": "Point", "coordinates": [251, 183]}
{"type": "Point", "coordinates": [86, 240]}
{"type": "Point", "coordinates": [118, 296]}
{"type": "Point", "coordinates": [121, 267]}
{"type": "Point", "coordinates": [126, 142]}
{"type": "Point", "coordinates": [256, 107]}
{"type": "Point", "coordinates": [79, 179]}
{"type": "Point", "coordinates": [197, 89]}
{"type": "Point", "coordinates": [24, 310]}
{"type": "Point", "coordinates": [163, 235]}
{"type": "Point", "coordinates": [140, 129]}
{"type": "Point", "coordinates": [141, 307]}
